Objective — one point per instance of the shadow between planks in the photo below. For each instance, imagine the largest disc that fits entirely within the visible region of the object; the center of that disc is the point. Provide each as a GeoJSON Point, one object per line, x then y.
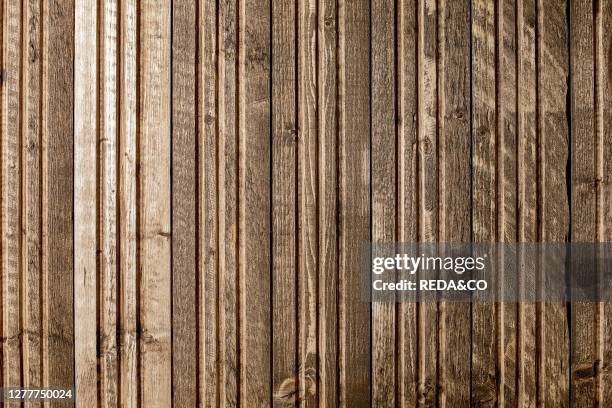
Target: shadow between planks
{"type": "Point", "coordinates": [187, 188]}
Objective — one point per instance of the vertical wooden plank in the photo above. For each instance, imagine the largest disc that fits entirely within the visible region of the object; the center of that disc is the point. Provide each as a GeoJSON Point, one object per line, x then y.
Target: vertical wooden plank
{"type": "Point", "coordinates": [552, 68]}
{"type": "Point", "coordinates": [328, 199]}
{"type": "Point", "coordinates": [31, 159]}
{"type": "Point", "coordinates": [428, 190]}
{"type": "Point", "coordinates": [307, 193]}
{"type": "Point", "coordinates": [284, 200]}
{"type": "Point", "coordinates": [184, 205]}
{"type": "Point", "coordinates": [527, 200]}
{"type": "Point", "coordinates": [127, 190]}
{"type": "Point", "coordinates": [107, 202]}
{"type": "Point", "coordinates": [603, 115]}
{"type": "Point", "coordinates": [254, 213]}
{"type": "Point", "coordinates": [155, 244]}
{"type": "Point", "coordinates": [58, 194]}
{"type": "Point", "coordinates": [384, 196]}
{"type": "Point", "coordinates": [485, 199]}
{"type": "Point", "coordinates": [454, 152]}
{"type": "Point", "coordinates": [10, 171]}
{"type": "Point", "coordinates": [407, 192]}
{"type": "Point", "coordinates": [584, 347]}
{"type": "Point", "coordinates": [354, 200]}
{"type": "Point", "coordinates": [208, 154]}
{"type": "Point", "coordinates": [507, 191]}
{"type": "Point", "coordinates": [228, 203]}
{"type": "Point", "coordinates": [85, 200]}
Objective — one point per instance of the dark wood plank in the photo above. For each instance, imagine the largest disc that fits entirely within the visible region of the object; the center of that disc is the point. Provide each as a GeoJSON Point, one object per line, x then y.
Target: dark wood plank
{"type": "Point", "coordinates": [254, 212]}
{"type": "Point", "coordinates": [327, 100]}
{"type": "Point", "coordinates": [485, 333]}
{"type": "Point", "coordinates": [58, 22]}
{"type": "Point", "coordinates": [552, 69]}
{"type": "Point", "coordinates": [284, 204]}
{"type": "Point", "coordinates": [454, 151]}
{"type": "Point", "coordinates": [407, 193]}
{"type": "Point", "coordinates": [185, 226]}
{"type": "Point", "coordinates": [585, 339]}
{"type": "Point", "coordinates": [354, 200]}
{"type": "Point", "coordinates": [527, 200]}
{"type": "Point", "coordinates": [384, 184]}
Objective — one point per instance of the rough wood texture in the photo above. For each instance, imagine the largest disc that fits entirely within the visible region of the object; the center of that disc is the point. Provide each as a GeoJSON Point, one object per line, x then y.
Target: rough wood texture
{"type": "Point", "coordinates": [187, 188]}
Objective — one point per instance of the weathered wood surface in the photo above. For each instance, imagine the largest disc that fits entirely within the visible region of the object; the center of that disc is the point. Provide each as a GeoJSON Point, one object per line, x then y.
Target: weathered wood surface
{"type": "Point", "coordinates": [187, 186]}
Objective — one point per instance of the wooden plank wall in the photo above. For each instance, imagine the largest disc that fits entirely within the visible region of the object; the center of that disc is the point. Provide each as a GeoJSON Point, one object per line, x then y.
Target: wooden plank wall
{"type": "Point", "coordinates": [187, 186]}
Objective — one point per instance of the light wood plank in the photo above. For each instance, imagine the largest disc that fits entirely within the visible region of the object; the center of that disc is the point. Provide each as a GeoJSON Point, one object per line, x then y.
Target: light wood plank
{"type": "Point", "coordinates": [154, 219]}
{"type": "Point", "coordinates": [228, 203]}
{"type": "Point", "coordinates": [208, 255]}
{"type": "Point", "coordinates": [85, 199]}
{"type": "Point", "coordinates": [428, 191]}
{"type": "Point", "coordinates": [307, 196]}
{"type": "Point", "coordinates": [11, 178]}
{"type": "Point", "coordinates": [127, 212]}
{"type": "Point", "coordinates": [31, 161]}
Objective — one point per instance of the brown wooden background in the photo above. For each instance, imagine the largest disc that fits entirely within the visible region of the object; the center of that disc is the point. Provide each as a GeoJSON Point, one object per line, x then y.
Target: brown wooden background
{"type": "Point", "coordinates": [187, 186]}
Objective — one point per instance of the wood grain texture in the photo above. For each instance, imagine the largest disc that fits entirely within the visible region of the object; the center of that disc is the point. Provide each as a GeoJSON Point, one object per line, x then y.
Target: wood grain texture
{"type": "Point", "coordinates": [154, 146]}
{"type": "Point", "coordinates": [187, 189]}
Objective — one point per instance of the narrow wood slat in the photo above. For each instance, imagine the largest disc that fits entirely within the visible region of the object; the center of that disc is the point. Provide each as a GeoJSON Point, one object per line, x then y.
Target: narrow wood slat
{"type": "Point", "coordinates": [284, 209]}
{"type": "Point", "coordinates": [11, 178]}
{"type": "Point", "coordinates": [327, 60]}
{"type": "Point", "coordinates": [154, 219]}
{"type": "Point", "coordinates": [485, 200]}
{"type": "Point", "coordinates": [454, 151]}
{"type": "Point", "coordinates": [603, 103]}
{"type": "Point", "coordinates": [86, 208]}
{"type": "Point", "coordinates": [31, 221]}
{"type": "Point", "coordinates": [384, 196]}
{"type": "Point", "coordinates": [227, 36]}
{"type": "Point", "coordinates": [407, 193]}
{"type": "Point", "coordinates": [107, 204]}
{"type": "Point", "coordinates": [527, 200]}
{"type": "Point", "coordinates": [584, 335]}
{"type": "Point", "coordinates": [127, 211]}
{"type": "Point", "coordinates": [552, 68]}
{"type": "Point", "coordinates": [58, 171]}
{"type": "Point", "coordinates": [307, 196]}
{"type": "Point", "coordinates": [354, 201]}
{"type": "Point", "coordinates": [427, 144]}
{"type": "Point", "coordinates": [185, 224]}
{"type": "Point", "coordinates": [507, 193]}
{"type": "Point", "coordinates": [254, 212]}
{"type": "Point", "coordinates": [208, 244]}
